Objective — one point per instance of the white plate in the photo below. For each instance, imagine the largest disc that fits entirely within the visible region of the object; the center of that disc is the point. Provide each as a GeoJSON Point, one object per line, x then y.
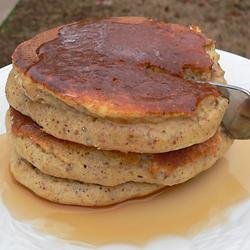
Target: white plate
{"type": "Point", "coordinates": [232, 235]}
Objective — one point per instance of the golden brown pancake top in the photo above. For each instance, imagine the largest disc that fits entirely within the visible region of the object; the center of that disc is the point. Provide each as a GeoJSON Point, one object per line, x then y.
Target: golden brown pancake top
{"type": "Point", "coordinates": [23, 126]}
{"type": "Point", "coordinates": [120, 66]}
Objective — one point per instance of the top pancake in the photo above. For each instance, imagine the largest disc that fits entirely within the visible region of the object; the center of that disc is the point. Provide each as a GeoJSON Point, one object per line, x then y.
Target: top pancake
{"type": "Point", "coordinates": [125, 67]}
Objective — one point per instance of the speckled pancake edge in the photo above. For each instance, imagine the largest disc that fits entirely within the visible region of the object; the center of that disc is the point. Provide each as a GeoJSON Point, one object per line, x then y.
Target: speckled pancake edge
{"type": "Point", "coordinates": [69, 192]}
{"type": "Point", "coordinates": [73, 161]}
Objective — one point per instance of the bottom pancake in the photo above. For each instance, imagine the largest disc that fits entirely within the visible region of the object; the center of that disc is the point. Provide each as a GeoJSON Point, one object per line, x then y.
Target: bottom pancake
{"type": "Point", "coordinates": [71, 192]}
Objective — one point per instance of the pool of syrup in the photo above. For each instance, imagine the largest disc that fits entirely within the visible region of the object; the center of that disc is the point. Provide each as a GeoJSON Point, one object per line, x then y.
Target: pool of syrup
{"type": "Point", "coordinates": [180, 210]}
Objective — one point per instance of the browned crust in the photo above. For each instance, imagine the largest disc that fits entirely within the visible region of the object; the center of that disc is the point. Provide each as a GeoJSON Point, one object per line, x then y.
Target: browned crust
{"type": "Point", "coordinates": [25, 54]}
{"type": "Point", "coordinates": [22, 125]}
{"type": "Point", "coordinates": [106, 68]}
{"type": "Point", "coordinates": [185, 156]}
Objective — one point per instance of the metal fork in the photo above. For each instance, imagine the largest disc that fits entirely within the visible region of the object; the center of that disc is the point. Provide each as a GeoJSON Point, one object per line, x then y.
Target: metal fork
{"type": "Point", "coordinates": [237, 117]}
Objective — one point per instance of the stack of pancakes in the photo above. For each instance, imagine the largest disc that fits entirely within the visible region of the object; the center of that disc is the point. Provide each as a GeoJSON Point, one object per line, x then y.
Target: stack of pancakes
{"type": "Point", "coordinates": [106, 111]}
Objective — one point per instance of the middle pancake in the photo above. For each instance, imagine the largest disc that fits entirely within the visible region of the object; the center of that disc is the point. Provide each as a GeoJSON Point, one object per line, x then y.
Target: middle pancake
{"type": "Point", "coordinates": [109, 168]}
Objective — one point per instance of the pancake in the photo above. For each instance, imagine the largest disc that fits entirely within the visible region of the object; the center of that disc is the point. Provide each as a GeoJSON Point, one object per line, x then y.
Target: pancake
{"type": "Point", "coordinates": [109, 168]}
{"type": "Point", "coordinates": [84, 83]}
{"type": "Point", "coordinates": [73, 192]}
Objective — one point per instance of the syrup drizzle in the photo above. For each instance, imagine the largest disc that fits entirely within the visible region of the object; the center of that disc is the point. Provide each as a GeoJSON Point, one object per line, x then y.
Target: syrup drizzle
{"type": "Point", "coordinates": [183, 210]}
